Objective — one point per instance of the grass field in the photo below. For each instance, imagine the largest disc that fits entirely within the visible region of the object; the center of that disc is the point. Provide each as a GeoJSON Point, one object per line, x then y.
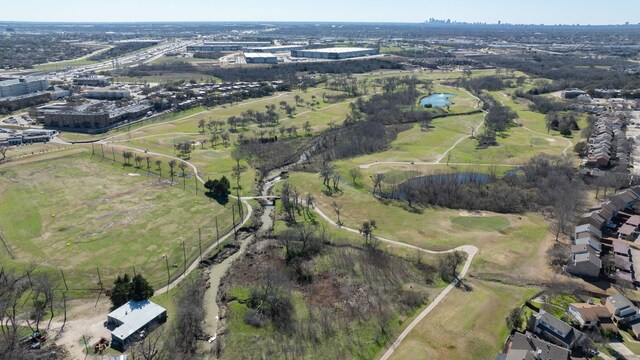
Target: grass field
{"type": "Point", "coordinates": [76, 214]}
{"type": "Point", "coordinates": [421, 146]}
{"type": "Point", "coordinates": [63, 64]}
{"type": "Point", "coordinates": [515, 147]}
{"type": "Point", "coordinates": [514, 247]}
{"type": "Point", "coordinates": [468, 325]}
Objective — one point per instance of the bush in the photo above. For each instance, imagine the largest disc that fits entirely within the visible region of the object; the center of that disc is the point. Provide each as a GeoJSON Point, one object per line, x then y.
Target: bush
{"type": "Point", "coordinates": [254, 318]}
{"type": "Point", "coordinates": [274, 304]}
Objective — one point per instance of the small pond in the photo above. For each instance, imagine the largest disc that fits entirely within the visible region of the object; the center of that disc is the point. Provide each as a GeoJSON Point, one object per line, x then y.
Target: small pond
{"type": "Point", "coordinates": [436, 100]}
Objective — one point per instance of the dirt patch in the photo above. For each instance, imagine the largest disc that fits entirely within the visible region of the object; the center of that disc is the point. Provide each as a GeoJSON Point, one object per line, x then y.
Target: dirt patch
{"type": "Point", "coordinates": [472, 213]}
{"type": "Point", "coordinates": [259, 260]}
{"type": "Point", "coordinates": [323, 292]}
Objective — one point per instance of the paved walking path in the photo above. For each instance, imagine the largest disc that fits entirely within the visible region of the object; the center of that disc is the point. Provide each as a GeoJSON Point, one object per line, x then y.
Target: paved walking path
{"type": "Point", "coordinates": [470, 250]}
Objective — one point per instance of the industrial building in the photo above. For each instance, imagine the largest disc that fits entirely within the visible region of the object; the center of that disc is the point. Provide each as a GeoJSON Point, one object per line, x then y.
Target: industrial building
{"type": "Point", "coordinates": [107, 94]}
{"type": "Point", "coordinates": [92, 117]}
{"type": "Point", "coordinates": [13, 103]}
{"type": "Point", "coordinates": [336, 53]}
{"type": "Point", "coordinates": [92, 80]}
{"type": "Point", "coordinates": [131, 318]}
{"type": "Point", "coordinates": [22, 86]}
{"type": "Point", "coordinates": [260, 58]}
{"type": "Point", "coordinates": [226, 46]}
{"type": "Point", "coordinates": [22, 137]}
{"type": "Point", "coordinates": [276, 49]}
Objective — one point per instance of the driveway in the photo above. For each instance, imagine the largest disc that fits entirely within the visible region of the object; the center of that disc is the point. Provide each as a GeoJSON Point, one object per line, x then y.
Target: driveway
{"type": "Point", "coordinates": [624, 351]}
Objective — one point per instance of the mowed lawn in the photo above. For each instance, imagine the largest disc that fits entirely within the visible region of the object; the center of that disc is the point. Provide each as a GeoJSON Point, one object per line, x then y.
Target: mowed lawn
{"type": "Point", "coordinates": [515, 147]}
{"type": "Point", "coordinates": [76, 214]}
{"type": "Point", "coordinates": [466, 325]}
{"type": "Point", "coordinates": [507, 242]}
{"type": "Point", "coordinates": [418, 145]}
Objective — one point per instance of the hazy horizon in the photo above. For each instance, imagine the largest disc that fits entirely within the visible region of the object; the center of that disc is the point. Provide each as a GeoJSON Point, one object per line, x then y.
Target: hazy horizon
{"type": "Point", "coordinates": [547, 12]}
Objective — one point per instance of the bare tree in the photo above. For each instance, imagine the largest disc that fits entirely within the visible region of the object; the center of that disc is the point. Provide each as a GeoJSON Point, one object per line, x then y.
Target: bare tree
{"type": "Point", "coordinates": [236, 155]}
{"type": "Point", "coordinates": [127, 155]}
{"type": "Point", "coordinates": [326, 172]}
{"type": "Point", "coordinates": [172, 169]}
{"type": "Point", "coordinates": [3, 152]}
{"type": "Point", "coordinates": [201, 125]}
{"type": "Point", "coordinates": [338, 209]}
{"type": "Point", "coordinates": [366, 230]}
{"type": "Point", "coordinates": [307, 127]}
{"type": "Point", "coordinates": [159, 167]}
{"type": "Point", "coordinates": [183, 166]}
{"type": "Point", "coordinates": [237, 174]}
{"type": "Point", "coordinates": [355, 173]}
{"type": "Point", "coordinates": [152, 346]}
{"type": "Point", "coordinates": [448, 264]}
{"type": "Point", "coordinates": [336, 181]}
{"type": "Point", "coordinates": [377, 182]}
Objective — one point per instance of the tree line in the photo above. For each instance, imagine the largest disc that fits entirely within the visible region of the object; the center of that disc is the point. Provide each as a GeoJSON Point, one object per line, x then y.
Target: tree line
{"type": "Point", "coordinates": [546, 183]}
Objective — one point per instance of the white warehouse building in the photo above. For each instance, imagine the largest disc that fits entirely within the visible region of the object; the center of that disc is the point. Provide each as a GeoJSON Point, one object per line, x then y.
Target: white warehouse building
{"type": "Point", "coordinates": [260, 58]}
{"type": "Point", "coordinates": [335, 53]}
{"type": "Point", "coordinates": [226, 46]}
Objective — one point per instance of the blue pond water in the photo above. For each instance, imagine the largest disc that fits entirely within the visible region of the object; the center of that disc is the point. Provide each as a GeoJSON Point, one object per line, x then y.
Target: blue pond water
{"type": "Point", "coordinates": [436, 100]}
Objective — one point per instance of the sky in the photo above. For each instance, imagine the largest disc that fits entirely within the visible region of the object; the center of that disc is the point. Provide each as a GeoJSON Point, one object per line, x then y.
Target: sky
{"type": "Point", "coordinates": [595, 12]}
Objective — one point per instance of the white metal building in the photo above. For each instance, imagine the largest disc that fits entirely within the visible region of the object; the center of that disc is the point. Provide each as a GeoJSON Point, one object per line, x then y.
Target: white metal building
{"type": "Point", "coordinates": [276, 49]}
{"type": "Point", "coordinates": [131, 318]}
{"type": "Point", "coordinates": [260, 58]}
{"type": "Point", "coordinates": [335, 53]}
{"type": "Point", "coordinates": [226, 46]}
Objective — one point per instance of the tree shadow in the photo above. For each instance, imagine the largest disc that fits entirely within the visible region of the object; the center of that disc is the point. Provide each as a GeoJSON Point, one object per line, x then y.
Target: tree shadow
{"type": "Point", "coordinates": [220, 199]}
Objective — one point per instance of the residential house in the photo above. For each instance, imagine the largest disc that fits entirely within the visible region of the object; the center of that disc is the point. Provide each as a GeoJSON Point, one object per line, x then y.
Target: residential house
{"type": "Point", "coordinates": [621, 248]}
{"type": "Point", "coordinates": [592, 242]}
{"type": "Point", "coordinates": [527, 346]}
{"type": "Point", "coordinates": [586, 263]}
{"type": "Point", "coordinates": [633, 221]}
{"type": "Point", "coordinates": [590, 315]}
{"type": "Point", "coordinates": [592, 218]}
{"type": "Point", "coordinates": [556, 330]}
{"type": "Point", "coordinates": [623, 311]}
{"type": "Point", "coordinates": [587, 230]}
{"type": "Point", "coordinates": [627, 232]}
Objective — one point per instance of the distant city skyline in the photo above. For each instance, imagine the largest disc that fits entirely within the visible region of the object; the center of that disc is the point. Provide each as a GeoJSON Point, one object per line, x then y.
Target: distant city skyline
{"type": "Point", "coordinates": [549, 12]}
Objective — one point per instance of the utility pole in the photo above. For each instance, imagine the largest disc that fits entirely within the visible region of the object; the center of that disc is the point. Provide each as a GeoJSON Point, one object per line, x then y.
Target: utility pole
{"type": "Point", "coordinates": [200, 242]}
{"type": "Point", "coordinates": [65, 280]}
{"type": "Point", "coordinates": [184, 256]}
{"type": "Point", "coordinates": [217, 233]}
{"type": "Point", "coordinates": [99, 279]}
{"type": "Point", "coordinates": [233, 214]}
{"type": "Point", "coordinates": [168, 275]}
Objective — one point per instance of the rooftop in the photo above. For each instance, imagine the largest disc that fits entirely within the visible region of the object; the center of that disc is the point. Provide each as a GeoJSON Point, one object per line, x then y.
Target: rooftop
{"type": "Point", "coordinates": [134, 315]}
{"type": "Point", "coordinates": [525, 346]}
{"type": "Point", "coordinates": [258, 55]}
{"type": "Point", "coordinates": [338, 49]}
{"type": "Point", "coordinates": [592, 312]}
{"type": "Point", "coordinates": [619, 301]}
